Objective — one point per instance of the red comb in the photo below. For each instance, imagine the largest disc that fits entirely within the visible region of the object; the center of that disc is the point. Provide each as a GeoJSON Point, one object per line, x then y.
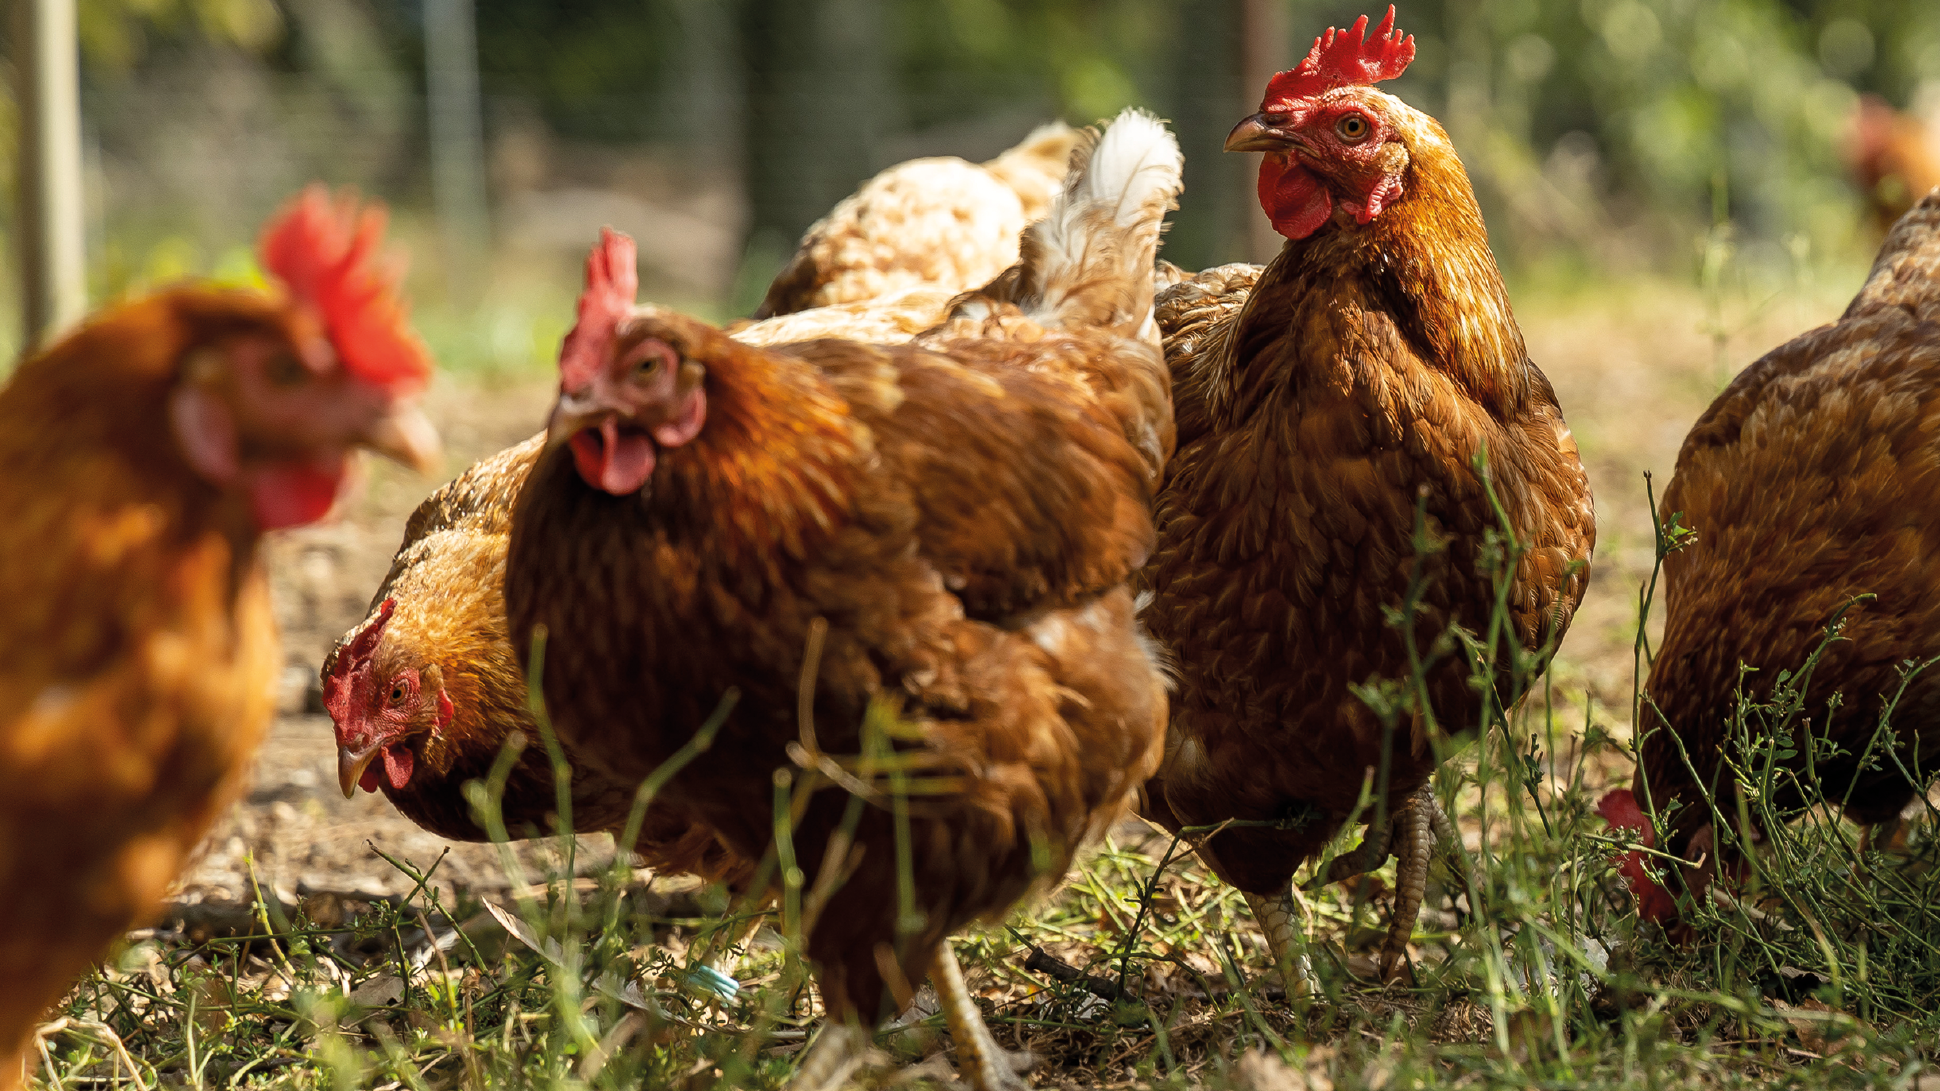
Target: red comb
{"type": "Point", "coordinates": [337, 673]}
{"type": "Point", "coordinates": [611, 282]}
{"type": "Point", "coordinates": [325, 253]}
{"type": "Point", "coordinates": [1346, 59]}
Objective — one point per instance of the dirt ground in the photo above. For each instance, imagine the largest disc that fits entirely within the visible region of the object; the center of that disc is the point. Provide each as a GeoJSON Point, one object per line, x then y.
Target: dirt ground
{"type": "Point", "coordinates": [1632, 370]}
{"type": "Point", "coordinates": [295, 828]}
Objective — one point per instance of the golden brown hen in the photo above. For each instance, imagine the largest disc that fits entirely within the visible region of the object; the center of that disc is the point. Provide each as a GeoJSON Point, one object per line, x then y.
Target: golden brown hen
{"type": "Point", "coordinates": [141, 459]}
{"type": "Point", "coordinates": [1320, 400]}
{"type": "Point", "coordinates": [938, 222]}
{"type": "Point", "coordinates": [963, 514]}
{"type": "Point", "coordinates": [1810, 481]}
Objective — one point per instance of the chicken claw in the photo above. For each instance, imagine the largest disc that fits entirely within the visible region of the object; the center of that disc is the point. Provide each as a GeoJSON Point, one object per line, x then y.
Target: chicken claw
{"type": "Point", "coordinates": [1413, 846]}
{"type": "Point", "coordinates": [1369, 856]}
{"type": "Point", "coordinates": [1418, 828]}
{"type": "Point", "coordinates": [1286, 939]}
{"type": "Point", "coordinates": [1449, 841]}
{"type": "Point", "coordinates": [832, 1058]}
{"type": "Point", "coordinates": [985, 1065]}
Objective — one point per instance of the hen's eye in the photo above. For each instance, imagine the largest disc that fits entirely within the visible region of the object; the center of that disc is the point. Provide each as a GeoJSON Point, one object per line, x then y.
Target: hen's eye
{"type": "Point", "coordinates": [654, 356]}
{"type": "Point", "coordinates": [397, 694]}
{"type": "Point", "coordinates": [283, 369]}
{"type": "Point", "coordinates": [1353, 128]}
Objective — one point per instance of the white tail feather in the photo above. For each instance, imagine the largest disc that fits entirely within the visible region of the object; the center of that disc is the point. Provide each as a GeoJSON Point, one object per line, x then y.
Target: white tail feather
{"type": "Point", "coordinates": [1090, 260]}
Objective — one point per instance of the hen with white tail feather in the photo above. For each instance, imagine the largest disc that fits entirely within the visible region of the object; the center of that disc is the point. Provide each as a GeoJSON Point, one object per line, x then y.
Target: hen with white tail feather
{"type": "Point", "coordinates": [950, 523]}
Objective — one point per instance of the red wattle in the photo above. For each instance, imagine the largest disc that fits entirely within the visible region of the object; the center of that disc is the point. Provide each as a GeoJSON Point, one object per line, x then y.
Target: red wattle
{"type": "Point", "coordinates": [291, 494]}
{"type": "Point", "coordinates": [397, 766]}
{"type": "Point", "coordinates": [614, 460]}
{"type": "Point", "coordinates": [369, 782]}
{"type": "Point", "coordinates": [1293, 198]}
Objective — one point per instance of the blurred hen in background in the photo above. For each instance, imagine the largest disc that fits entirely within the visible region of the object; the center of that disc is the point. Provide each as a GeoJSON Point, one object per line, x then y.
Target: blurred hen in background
{"type": "Point", "coordinates": [1894, 155]}
{"type": "Point", "coordinates": [934, 222]}
{"type": "Point", "coordinates": [142, 457]}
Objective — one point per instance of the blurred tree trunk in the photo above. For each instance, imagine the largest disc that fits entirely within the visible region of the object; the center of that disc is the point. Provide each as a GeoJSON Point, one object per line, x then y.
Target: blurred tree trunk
{"type": "Point", "coordinates": [457, 145]}
{"type": "Point", "coordinates": [1466, 117]}
{"type": "Point", "coordinates": [819, 100]}
{"type": "Point", "coordinates": [711, 86]}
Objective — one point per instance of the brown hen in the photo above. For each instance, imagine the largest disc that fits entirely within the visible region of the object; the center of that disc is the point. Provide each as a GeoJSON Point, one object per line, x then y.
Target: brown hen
{"type": "Point", "coordinates": [1810, 481]}
{"type": "Point", "coordinates": [961, 514]}
{"type": "Point", "coordinates": [141, 459]}
{"type": "Point", "coordinates": [1320, 401]}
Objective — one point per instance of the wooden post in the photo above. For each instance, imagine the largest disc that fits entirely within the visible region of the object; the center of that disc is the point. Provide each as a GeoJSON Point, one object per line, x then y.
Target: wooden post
{"type": "Point", "coordinates": [1266, 49]}
{"type": "Point", "coordinates": [457, 143]}
{"type": "Point", "coordinates": [50, 235]}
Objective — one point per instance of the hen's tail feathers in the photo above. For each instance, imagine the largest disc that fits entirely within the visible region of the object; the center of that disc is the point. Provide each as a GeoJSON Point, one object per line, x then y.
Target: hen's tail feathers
{"type": "Point", "coordinates": [1089, 262]}
{"type": "Point", "coordinates": [1907, 272]}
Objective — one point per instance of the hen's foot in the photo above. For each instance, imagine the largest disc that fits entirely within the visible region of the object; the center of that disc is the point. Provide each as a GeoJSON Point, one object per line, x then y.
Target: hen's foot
{"type": "Point", "coordinates": [985, 1065]}
{"type": "Point", "coordinates": [1369, 856]}
{"type": "Point", "coordinates": [1281, 919]}
{"type": "Point", "coordinates": [1448, 841]}
{"type": "Point", "coordinates": [1413, 846]}
{"type": "Point", "coordinates": [832, 1058]}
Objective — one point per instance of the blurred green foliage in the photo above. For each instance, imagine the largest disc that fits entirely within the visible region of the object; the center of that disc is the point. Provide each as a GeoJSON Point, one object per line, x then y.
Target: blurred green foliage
{"type": "Point", "coordinates": [1603, 135]}
{"type": "Point", "coordinates": [1612, 130]}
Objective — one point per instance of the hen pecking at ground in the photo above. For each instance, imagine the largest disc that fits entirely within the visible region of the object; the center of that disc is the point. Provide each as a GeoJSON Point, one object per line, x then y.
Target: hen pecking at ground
{"type": "Point", "coordinates": [1812, 481]}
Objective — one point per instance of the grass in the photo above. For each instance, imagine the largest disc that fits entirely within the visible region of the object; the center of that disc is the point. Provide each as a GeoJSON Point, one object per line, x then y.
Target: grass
{"type": "Point", "coordinates": [1824, 973]}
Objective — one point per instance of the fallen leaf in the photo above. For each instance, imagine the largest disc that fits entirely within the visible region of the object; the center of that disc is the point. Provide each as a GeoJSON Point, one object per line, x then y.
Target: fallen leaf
{"type": "Point", "coordinates": [380, 991]}
{"type": "Point", "coordinates": [1822, 1029]}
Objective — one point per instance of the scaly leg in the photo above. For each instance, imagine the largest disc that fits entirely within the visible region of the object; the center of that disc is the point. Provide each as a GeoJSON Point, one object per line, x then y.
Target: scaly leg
{"type": "Point", "coordinates": [832, 1058]}
{"type": "Point", "coordinates": [1286, 940]}
{"type": "Point", "coordinates": [985, 1065]}
{"type": "Point", "coordinates": [1412, 848]}
{"type": "Point", "coordinates": [1448, 840]}
{"type": "Point", "coordinates": [1369, 856]}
